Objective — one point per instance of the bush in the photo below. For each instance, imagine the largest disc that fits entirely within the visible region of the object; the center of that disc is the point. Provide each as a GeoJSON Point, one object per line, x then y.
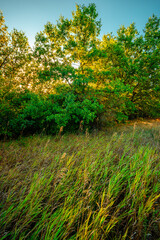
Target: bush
{"type": "Point", "coordinates": [28, 113]}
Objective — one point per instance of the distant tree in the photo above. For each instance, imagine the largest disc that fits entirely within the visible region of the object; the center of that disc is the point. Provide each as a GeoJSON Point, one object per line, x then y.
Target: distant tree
{"type": "Point", "coordinates": [14, 53]}
{"type": "Point", "coordinates": [71, 77]}
{"type": "Point", "coordinates": [143, 64]}
{"type": "Point", "coordinates": [59, 47]}
{"type": "Point", "coordinates": [147, 93]}
{"type": "Point", "coordinates": [4, 38]}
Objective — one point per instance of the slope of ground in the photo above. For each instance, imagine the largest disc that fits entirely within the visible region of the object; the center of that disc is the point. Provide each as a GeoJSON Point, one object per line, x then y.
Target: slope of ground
{"type": "Point", "coordinates": [104, 185]}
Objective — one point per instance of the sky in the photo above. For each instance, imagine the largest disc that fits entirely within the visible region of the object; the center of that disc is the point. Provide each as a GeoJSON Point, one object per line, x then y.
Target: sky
{"type": "Point", "coordinates": [30, 16]}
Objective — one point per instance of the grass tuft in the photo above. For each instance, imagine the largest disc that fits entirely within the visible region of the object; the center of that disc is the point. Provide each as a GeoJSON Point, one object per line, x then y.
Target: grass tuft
{"type": "Point", "coordinates": [103, 186]}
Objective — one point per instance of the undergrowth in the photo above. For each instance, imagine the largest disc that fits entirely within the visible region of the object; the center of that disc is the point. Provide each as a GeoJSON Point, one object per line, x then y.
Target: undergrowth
{"type": "Point", "coordinates": [103, 185]}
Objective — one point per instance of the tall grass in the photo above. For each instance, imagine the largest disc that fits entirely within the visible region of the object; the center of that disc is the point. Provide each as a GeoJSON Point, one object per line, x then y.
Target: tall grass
{"type": "Point", "coordinates": [103, 186]}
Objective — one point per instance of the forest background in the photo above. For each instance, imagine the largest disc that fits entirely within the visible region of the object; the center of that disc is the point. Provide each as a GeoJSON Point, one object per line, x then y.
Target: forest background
{"type": "Point", "coordinates": [73, 79]}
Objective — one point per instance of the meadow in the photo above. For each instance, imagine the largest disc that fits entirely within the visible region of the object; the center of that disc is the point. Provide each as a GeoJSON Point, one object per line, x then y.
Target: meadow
{"type": "Point", "coordinates": [99, 185]}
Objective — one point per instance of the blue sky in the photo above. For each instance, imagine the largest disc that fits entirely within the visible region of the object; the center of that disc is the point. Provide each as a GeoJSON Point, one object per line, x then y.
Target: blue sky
{"type": "Point", "coordinates": [31, 15]}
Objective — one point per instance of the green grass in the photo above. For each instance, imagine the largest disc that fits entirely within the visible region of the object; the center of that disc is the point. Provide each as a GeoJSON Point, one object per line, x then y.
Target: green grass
{"type": "Point", "coordinates": [97, 186]}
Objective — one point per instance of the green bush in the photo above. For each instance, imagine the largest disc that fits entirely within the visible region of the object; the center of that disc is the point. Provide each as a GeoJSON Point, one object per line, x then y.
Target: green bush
{"type": "Point", "coordinates": [28, 113]}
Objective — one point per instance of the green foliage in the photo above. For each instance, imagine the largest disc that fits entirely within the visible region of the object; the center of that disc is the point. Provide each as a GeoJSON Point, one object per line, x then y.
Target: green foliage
{"type": "Point", "coordinates": [28, 113]}
{"type": "Point", "coordinates": [71, 76]}
{"type": "Point", "coordinates": [103, 186]}
{"type": "Point", "coordinates": [83, 187]}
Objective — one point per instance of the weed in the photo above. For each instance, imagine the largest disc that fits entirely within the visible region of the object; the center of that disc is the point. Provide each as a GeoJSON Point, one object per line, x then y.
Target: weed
{"type": "Point", "coordinates": [103, 186]}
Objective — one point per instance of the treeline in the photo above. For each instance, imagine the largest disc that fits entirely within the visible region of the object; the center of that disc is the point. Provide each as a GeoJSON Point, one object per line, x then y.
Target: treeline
{"type": "Point", "coordinates": [73, 79]}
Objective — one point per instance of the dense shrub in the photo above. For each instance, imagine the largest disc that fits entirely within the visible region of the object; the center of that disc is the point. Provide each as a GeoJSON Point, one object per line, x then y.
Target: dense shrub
{"type": "Point", "coordinates": [26, 113]}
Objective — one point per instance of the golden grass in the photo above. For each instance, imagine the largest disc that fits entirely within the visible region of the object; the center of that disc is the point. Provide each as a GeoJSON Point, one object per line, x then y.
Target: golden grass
{"type": "Point", "coordinates": [104, 186]}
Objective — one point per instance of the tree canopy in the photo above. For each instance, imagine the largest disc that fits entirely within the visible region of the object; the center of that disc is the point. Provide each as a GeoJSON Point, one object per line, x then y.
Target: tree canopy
{"type": "Point", "coordinates": [71, 77]}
